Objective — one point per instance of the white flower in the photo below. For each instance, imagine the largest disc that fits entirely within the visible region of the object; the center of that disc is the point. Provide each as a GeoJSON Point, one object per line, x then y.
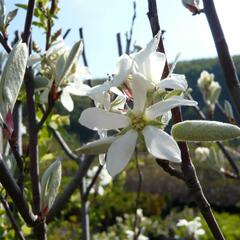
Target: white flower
{"type": "Point", "coordinates": [130, 235]}
{"type": "Point", "coordinates": [193, 227]}
{"type": "Point", "coordinates": [103, 179]}
{"type": "Point", "coordinates": [138, 121]}
{"type": "Point", "coordinates": [202, 153]}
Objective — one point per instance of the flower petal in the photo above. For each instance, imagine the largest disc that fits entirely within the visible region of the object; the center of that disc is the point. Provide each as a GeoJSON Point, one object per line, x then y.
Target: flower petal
{"type": "Point", "coordinates": [175, 82]}
{"type": "Point", "coordinates": [99, 119]}
{"type": "Point", "coordinates": [120, 152]}
{"type": "Point", "coordinates": [139, 91]}
{"type": "Point", "coordinates": [162, 107]}
{"type": "Point", "coordinates": [161, 145]}
{"type": "Point", "coordinates": [66, 100]}
{"type": "Point", "coordinates": [123, 68]}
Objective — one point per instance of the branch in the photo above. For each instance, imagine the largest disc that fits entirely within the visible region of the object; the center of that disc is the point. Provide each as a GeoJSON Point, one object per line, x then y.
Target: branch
{"type": "Point", "coordinates": [33, 141]}
{"type": "Point", "coordinates": [5, 44]}
{"type": "Point", "coordinates": [187, 166]}
{"type": "Point", "coordinates": [165, 165]}
{"type": "Point", "coordinates": [119, 44]}
{"type": "Point", "coordinates": [225, 59]}
{"type": "Point", "coordinates": [64, 145]}
{"type": "Point", "coordinates": [16, 141]}
{"type": "Point", "coordinates": [11, 218]}
{"type": "Point", "coordinates": [28, 21]}
{"type": "Point", "coordinates": [63, 198]}
{"type": "Point", "coordinates": [15, 193]}
{"type": "Point", "coordinates": [84, 53]}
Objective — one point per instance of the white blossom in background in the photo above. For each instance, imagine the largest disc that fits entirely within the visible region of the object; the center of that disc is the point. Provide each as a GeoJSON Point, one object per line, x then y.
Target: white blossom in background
{"type": "Point", "coordinates": [193, 228]}
{"type": "Point", "coordinates": [104, 179]}
{"type": "Point", "coordinates": [209, 88]}
{"type": "Point", "coordinates": [202, 153]}
{"type": "Point", "coordinates": [130, 235]}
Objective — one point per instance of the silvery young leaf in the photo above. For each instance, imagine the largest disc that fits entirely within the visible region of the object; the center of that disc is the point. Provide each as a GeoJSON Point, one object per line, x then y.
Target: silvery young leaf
{"type": "Point", "coordinates": [11, 15]}
{"type": "Point", "coordinates": [97, 147]}
{"type": "Point", "coordinates": [197, 131]}
{"type": "Point", "coordinates": [12, 77]}
{"type": "Point", "coordinates": [73, 56]}
{"type": "Point", "coordinates": [50, 183]}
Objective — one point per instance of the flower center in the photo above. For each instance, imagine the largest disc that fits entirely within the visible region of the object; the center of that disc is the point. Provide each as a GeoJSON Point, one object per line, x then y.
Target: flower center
{"type": "Point", "coordinates": [138, 121]}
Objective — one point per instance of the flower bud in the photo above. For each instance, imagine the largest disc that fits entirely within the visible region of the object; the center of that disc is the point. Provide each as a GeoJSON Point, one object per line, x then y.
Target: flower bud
{"type": "Point", "coordinates": [228, 109]}
{"type": "Point", "coordinates": [191, 5]}
{"type": "Point", "coordinates": [197, 131]}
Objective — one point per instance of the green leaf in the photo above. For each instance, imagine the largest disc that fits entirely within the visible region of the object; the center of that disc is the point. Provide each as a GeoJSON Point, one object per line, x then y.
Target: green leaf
{"type": "Point", "coordinates": [12, 77]}
{"type": "Point", "coordinates": [197, 131]}
{"type": "Point", "coordinates": [50, 183]}
{"type": "Point", "coordinates": [23, 6]}
{"type": "Point", "coordinates": [96, 147]}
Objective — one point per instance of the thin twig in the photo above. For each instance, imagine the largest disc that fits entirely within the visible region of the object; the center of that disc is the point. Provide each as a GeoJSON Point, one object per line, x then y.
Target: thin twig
{"type": "Point", "coordinates": [66, 33]}
{"type": "Point", "coordinates": [5, 44]}
{"type": "Point", "coordinates": [9, 184]}
{"type": "Point", "coordinates": [49, 24]}
{"type": "Point", "coordinates": [94, 179]}
{"type": "Point", "coordinates": [225, 59]}
{"type": "Point", "coordinates": [166, 166]}
{"type": "Point", "coordinates": [84, 52]}
{"type": "Point", "coordinates": [139, 188]}
{"type": "Point", "coordinates": [11, 218]}
{"type": "Point", "coordinates": [129, 38]}
{"type": "Point", "coordinates": [119, 44]}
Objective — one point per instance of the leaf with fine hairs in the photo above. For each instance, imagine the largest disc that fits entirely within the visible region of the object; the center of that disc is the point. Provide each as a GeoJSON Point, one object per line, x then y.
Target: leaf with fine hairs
{"type": "Point", "coordinates": [50, 183]}
{"type": "Point", "coordinates": [12, 77]}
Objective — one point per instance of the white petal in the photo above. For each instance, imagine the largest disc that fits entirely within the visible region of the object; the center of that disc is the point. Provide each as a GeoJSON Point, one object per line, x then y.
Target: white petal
{"type": "Point", "coordinates": [99, 88]}
{"type": "Point", "coordinates": [175, 82]}
{"type": "Point", "coordinates": [120, 152]}
{"type": "Point", "coordinates": [99, 119]}
{"type": "Point", "coordinates": [156, 65]}
{"type": "Point", "coordinates": [139, 91]}
{"type": "Point", "coordinates": [162, 107]}
{"type": "Point", "coordinates": [78, 88]}
{"type": "Point", "coordinates": [122, 70]}
{"type": "Point", "coordinates": [66, 100]}
{"type": "Point", "coordinates": [161, 145]}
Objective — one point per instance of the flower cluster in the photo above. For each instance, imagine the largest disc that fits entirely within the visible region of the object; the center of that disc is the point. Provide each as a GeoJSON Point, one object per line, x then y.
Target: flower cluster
{"type": "Point", "coordinates": [142, 109]}
{"type": "Point", "coordinates": [209, 88]}
{"type": "Point", "coordinates": [58, 73]}
{"type": "Point", "coordinates": [193, 228]}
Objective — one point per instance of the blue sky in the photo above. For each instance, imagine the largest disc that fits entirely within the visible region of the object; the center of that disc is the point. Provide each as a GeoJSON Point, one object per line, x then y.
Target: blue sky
{"type": "Point", "coordinates": [101, 20]}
